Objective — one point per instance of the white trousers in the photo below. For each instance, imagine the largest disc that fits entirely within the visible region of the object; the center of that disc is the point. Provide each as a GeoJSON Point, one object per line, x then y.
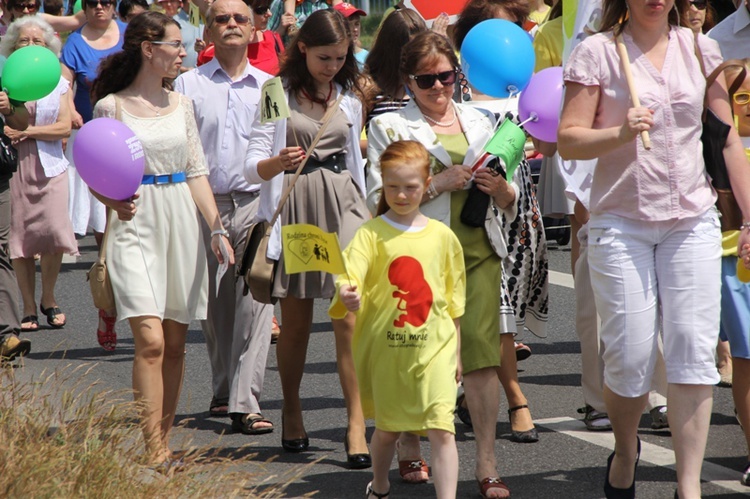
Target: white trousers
{"type": "Point", "coordinates": [648, 276]}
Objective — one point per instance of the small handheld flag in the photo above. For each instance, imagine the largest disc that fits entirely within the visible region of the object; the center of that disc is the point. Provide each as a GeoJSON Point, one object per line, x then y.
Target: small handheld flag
{"type": "Point", "coordinates": [273, 105]}
{"type": "Point", "coordinates": [307, 248]}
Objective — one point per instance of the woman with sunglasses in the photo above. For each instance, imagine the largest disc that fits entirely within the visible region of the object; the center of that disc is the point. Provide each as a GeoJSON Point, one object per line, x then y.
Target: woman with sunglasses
{"type": "Point", "coordinates": [455, 134]}
{"type": "Point", "coordinates": [318, 69]}
{"type": "Point", "coordinates": [701, 16]}
{"type": "Point", "coordinates": [21, 8]}
{"type": "Point", "coordinates": [155, 257]}
{"type": "Point", "coordinates": [654, 236]}
{"type": "Point", "coordinates": [101, 36]}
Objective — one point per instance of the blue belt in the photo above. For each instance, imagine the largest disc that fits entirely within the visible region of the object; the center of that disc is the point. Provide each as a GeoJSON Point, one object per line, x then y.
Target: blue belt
{"type": "Point", "coordinates": [169, 178]}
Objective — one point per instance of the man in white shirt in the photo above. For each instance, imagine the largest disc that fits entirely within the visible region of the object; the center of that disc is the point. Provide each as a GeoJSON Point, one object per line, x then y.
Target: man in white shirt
{"type": "Point", "coordinates": [733, 33]}
{"type": "Point", "coordinates": [226, 92]}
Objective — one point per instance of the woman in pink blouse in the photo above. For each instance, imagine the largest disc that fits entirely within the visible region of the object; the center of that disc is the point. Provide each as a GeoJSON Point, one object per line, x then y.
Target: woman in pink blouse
{"type": "Point", "coordinates": [655, 243]}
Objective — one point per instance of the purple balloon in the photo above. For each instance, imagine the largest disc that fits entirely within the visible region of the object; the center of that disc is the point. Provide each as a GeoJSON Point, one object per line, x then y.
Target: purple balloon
{"type": "Point", "coordinates": [109, 158]}
{"type": "Point", "coordinates": [542, 98]}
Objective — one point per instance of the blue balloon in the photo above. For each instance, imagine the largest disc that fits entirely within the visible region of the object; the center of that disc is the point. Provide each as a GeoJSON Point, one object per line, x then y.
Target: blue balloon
{"type": "Point", "coordinates": [497, 57]}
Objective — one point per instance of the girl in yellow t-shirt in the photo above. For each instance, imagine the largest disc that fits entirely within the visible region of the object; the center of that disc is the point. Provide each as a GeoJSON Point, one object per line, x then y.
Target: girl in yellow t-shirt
{"type": "Point", "coordinates": [406, 281]}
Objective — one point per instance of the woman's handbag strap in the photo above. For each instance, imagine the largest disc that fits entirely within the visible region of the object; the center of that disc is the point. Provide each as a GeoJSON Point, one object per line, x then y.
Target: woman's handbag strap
{"type": "Point", "coordinates": [103, 248]}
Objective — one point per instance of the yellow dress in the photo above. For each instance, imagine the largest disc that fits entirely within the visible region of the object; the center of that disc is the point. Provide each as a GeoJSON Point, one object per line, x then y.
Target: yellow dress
{"type": "Point", "coordinates": [404, 345]}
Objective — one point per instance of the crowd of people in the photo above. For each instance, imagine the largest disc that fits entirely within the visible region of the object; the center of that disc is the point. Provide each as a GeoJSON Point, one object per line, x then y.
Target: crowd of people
{"type": "Point", "coordinates": [446, 255]}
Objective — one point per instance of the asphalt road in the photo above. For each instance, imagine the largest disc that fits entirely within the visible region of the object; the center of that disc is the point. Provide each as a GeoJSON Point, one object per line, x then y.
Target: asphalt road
{"type": "Point", "coordinates": [568, 461]}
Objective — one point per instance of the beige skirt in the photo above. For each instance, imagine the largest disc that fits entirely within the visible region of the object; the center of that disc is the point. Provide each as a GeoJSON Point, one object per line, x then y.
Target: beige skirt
{"type": "Point", "coordinates": [331, 201]}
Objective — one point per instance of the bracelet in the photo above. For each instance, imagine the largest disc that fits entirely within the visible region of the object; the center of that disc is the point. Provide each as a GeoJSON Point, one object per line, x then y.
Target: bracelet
{"type": "Point", "coordinates": [432, 192]}
{"type": "Point", "coordinates": [220, 232]}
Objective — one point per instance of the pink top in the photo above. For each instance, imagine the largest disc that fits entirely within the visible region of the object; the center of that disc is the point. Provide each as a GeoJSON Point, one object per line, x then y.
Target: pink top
{"type": "Point", "coordinates": [668, 182]}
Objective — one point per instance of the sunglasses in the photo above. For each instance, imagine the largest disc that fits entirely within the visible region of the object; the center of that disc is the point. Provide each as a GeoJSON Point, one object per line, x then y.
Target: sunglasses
{"type": "Point", "coordinates": [427, 81]}
{"type": "Point", "coordinates": [261, 10]}
{"type": "Point", "coordinates": [104, 3]}
{"type": "Point", "coordinates": [31, 7]}
{"type": "Point", "coordinates": [699, 4]}
{"type": "Point", "coordinates": [741, 98]}
{"type": "Point", "coordinates": [238, 18]}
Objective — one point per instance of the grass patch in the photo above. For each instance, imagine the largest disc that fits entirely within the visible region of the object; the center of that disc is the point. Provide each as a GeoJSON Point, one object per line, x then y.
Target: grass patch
{"type": "Point", "coordinates": [65, 436]}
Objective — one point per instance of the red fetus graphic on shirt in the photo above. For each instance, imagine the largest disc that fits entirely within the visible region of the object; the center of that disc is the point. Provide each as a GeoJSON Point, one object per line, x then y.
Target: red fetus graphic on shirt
{"type": "Point", "coordinates": [414, 294]}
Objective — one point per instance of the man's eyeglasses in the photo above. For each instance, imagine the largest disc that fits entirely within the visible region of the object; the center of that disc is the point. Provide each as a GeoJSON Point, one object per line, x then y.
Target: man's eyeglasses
{"type": "Point", "coordinates": [741, 98]}
{"type": "Point", "coordinates": [699, 4]}
{"type": "Point", "coordinates": [427, 81]}
{"type": "Point", "coordinates": [175, 44]}
{"type": "Point", "coordinates": [31, 7]}
{"type": "Point", "coordinates": [261, 10]}
{"type": "Point", "coordinates": [238, 18]}
{"type": "Point", "coordinates": [104, 3]}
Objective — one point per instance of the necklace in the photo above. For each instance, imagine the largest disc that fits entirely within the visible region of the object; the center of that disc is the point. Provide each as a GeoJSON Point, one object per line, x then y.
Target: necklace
{"type": "Point", "coordinates": [440, 123]}
{"type": "Point", "coordinates": [148, 104]}
{"type": "Point", "coordinates": [315, 99]}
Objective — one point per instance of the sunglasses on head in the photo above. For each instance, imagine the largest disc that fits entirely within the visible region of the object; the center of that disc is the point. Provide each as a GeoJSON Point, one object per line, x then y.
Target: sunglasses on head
{"type": "Point", "coordinates": [261, 10]}
{"type": "Point", "coordinates": [238, 18]}
{"type": "Point", "coordinates": [427, 81]}
{"type": "Point", "coordinates": [699, 4]}
{"type": "Point", "coordinates": [104, 3]}
{"type": "Point", "coordinates": [31, 7]}
{"type": "Point", "coordinates": [741, 98]}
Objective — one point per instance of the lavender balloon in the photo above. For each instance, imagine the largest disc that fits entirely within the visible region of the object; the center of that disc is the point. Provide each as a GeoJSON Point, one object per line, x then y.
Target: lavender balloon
{"type": "Point", "coordinates": [542, 98]}
{"type": "Point", "coordinates": [109, 158]}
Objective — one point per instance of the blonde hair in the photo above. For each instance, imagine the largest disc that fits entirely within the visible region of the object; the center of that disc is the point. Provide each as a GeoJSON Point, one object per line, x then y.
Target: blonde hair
{"type": "Point", "coordinates": [398, 154]}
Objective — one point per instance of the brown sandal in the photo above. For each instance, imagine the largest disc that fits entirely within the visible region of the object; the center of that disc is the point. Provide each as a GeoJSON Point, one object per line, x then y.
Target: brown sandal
{"type": "Point", "coordinates": [490, 483]}
{"type": "Point", "coordinates": [413, 466]}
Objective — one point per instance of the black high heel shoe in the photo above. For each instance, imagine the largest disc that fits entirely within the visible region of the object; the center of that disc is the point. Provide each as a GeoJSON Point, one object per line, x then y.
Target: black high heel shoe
{"type": "Point", "coordinates": [356, 461]}
{"type": "Point", "coordinates": [522, 437]}
{"type": "Point", "coordinates": [296, 444]}
{"type": "Point", "coordinates": [611, 492]}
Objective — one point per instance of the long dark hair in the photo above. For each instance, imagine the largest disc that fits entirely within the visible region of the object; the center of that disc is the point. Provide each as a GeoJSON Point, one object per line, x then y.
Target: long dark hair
{"type": "Point", "coordinates": [382, 63]}
{"type": "Point", "coordinates": [119, 70]}
{"type": "Point", "coordinates": [322, 28]}
{"type": "Point", "coordinates": [400, 153]}
{"type": "Point", "coordinates": [615, 15]}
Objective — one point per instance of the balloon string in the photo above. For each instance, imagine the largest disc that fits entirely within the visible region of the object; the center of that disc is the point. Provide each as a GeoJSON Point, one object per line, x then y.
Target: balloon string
{"type": "Point", "coordinates": [511, 92]}
{"type": "Point", "coordinates": [143, 256]}
{"type": "Point", "coordinates": [533, 117]}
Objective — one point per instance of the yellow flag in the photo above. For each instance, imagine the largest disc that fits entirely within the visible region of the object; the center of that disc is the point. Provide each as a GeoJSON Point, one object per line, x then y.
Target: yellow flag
{"type": "Point", "coordinates": [273, 106]}
{"type": "Point", "coordinates": [307, 248]}
{"type": "Point", "coordinates": [194, 15]}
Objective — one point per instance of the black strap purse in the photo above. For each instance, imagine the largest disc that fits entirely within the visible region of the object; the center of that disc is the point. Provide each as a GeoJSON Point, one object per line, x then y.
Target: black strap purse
{"type": "Point", "coordinates": [8, 156]}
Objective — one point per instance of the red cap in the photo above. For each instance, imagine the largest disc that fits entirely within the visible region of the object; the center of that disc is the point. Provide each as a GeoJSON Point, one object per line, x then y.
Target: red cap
{"type": "Point", "coordinates": [348, 9]}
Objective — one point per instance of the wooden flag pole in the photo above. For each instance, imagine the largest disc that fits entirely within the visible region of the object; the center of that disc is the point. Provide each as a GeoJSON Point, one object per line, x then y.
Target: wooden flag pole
{"type": "Point", "coordinates": [631, 86]}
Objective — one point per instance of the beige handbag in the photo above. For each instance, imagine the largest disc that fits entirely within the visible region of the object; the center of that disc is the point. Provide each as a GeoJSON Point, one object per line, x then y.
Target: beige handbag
{"type": "Point", "coordinates": [98, 277]}
{"type": "Point", "coordinates": [257, 269]}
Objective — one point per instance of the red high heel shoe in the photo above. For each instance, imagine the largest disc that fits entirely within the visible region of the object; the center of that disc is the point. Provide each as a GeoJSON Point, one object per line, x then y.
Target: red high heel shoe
{"type": "Point", "coordinates": [108, 338]}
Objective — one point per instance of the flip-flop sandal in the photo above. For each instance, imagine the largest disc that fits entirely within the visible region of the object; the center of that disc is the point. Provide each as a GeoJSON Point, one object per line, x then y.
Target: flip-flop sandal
{"type": "Point", "coordinates": [490, 483]}
{"type": "Point", "coordinates": [33, 320]}
{"type": "Point", "coordinates": [52, 314]}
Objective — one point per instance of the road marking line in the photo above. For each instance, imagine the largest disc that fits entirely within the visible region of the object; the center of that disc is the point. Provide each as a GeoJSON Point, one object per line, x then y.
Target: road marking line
{"type": "Point", "coordinates": [653, 454]}
{"type": "Point", "coordinates": [561, 279]}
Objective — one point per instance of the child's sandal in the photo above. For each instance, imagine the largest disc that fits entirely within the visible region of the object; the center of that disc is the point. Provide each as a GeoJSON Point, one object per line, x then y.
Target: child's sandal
{"type": "Point", "coordinates": [370, 492]}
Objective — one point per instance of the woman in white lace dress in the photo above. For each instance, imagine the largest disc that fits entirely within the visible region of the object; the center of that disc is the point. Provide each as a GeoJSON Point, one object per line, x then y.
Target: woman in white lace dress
{"type": "Point", "coordinates": [156, 259]}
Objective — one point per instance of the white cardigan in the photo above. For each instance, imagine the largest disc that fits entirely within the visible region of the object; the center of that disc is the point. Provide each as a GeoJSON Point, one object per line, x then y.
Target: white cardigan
{"type": "Point", "coordinates": [409, 124]}
{"type": "Point", "coordinates": [267, 140]}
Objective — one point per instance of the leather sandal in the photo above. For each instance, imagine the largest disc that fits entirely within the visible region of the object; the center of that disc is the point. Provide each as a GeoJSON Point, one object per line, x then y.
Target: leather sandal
{"type": "Point", "coordinates": [107, 338]}
{"type": "Point", "coordinates": [409, 466]}
{"type": "Point", "coordinates": [245, 423]}
{"type": "Point", "coordinates": [219, 408]}
{"type": "Point", "coordinates": [30, 319]}
{"type": "Point", "coordinates": [490, 483]}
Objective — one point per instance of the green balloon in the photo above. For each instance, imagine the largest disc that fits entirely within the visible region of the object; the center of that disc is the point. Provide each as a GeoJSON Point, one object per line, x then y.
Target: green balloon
{"type": "Point", "coordinates": [77, 7]}
{"type": "Point", "coordinates": [30, 73]}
